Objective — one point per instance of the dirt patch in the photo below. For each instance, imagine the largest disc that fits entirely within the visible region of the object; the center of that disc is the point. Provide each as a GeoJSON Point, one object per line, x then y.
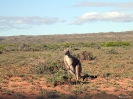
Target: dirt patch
{"type": "Point", "coordinates": [19, 88]}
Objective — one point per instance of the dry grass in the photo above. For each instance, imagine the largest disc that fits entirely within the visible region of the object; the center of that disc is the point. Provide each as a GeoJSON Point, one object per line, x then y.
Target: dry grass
{"type": "Point", "coordinates": [34, 74]}
{"type": "Point", "coordinates": [114, 74]}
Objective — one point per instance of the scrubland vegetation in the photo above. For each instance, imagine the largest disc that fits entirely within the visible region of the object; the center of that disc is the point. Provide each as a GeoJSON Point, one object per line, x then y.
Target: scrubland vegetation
{"type": "Point", "coordinates": [36, 70]}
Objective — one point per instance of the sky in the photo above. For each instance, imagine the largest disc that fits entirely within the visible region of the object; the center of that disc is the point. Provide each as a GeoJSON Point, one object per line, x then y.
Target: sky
{"type": "Point", "coordinates": [48, 17]}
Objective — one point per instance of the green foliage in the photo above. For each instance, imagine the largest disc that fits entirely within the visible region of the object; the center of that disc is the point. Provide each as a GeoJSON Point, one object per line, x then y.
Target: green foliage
{"type": "Point", "coordinates": [58, 46]}
{"type": "Point", "coordinates": [49, 68]}
{"type": "Point", "coordinates": [58, 74]}
{"type": "Point", "coordinates": [95, 45]}
{"type": "Point", "coordinates": [39, 69]}
{"type": "Point", "coordinates": [55, 69]}
{"type": "Point", "coordinates": [9, 47]}
{"type": "Point", "coordinates": [60, 77]}
{"type": "Point", "coordinates": [66, 45]}
{"type": "Point", "coordinates": [1, 47]}
{"type": "Point", "coordinates": [80, 44]}
{"type": "Point", "coordinates": [53, 66]}
{"type": "Point", "coordinates": [51, 46]}
{"type": "Point", "coordinates": [112, 44]}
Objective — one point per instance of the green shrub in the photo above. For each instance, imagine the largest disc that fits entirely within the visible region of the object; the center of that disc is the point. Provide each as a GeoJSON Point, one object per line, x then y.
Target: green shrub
{"type": "Point", "coordinates": [51, 46]}
{"type": "Point", "coordinates": [39, 69]}
{"type": "Point", "coordinates": [58, 78]}
{"type": "Point", "coordinates": [95, 45]}
{"type": "Point", "coordinates": [1, 47]}
{"type": "Point", "coordinates": [87, 44]}
{"type": "Point", "coordinates": [56, 71]}
{"type": "Point", "coordinates": [112, 44]}
{"type": "Point", "coordinates": [9, 47]}
{"type": "Point", "coordinates": [53, 66]}
{"type": "Point", "coordinates": [66, 45]}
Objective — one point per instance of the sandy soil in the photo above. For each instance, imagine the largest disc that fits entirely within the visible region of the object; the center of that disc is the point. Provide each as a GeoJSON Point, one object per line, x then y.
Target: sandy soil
{"type": "Point", "coordinates": [30, 90]}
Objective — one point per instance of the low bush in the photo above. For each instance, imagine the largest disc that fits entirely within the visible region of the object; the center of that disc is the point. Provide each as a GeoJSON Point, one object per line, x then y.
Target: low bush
{"type": "Point", "coordinates": [39, 69]}
{"type": "Point", "coordinates": [86, 55]}
{"type": "Point", "coordinates": [112, 44]}
{"type": "Point", "coordinates": [58, 75]}
{"type": "Point", "coordinates": [51, 46]}
{"type": "Point", "coordinates": [50, 67]}
{"type": "Point", "coordinates": [59, 78]}
{"type": "Point", "coordinates": [95, 45]}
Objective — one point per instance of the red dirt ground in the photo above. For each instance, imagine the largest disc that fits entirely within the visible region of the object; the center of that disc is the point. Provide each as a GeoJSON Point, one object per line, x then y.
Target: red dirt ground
{"type": "Point", "coordinates": [31, 89]}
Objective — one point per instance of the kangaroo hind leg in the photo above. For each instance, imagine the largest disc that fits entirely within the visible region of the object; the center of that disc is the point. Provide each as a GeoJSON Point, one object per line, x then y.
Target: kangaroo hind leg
{"type": "Point", "coordinates": [71, 72]}
{"type": "Point", "coordinates": [77, 72]}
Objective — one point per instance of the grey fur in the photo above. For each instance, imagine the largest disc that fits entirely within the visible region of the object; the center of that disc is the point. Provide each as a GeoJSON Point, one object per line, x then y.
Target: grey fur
{"type": "Point", "coordinates": [72, 64]}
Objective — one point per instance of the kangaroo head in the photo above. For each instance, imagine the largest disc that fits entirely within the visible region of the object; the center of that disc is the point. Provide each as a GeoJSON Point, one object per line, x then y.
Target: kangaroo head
{"type": "Point", "coordinates": [66, 51]}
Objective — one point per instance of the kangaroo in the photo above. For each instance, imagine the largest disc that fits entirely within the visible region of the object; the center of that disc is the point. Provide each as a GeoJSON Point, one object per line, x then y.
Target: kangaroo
{"type": "Point", "coordinates": [72, 64]}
